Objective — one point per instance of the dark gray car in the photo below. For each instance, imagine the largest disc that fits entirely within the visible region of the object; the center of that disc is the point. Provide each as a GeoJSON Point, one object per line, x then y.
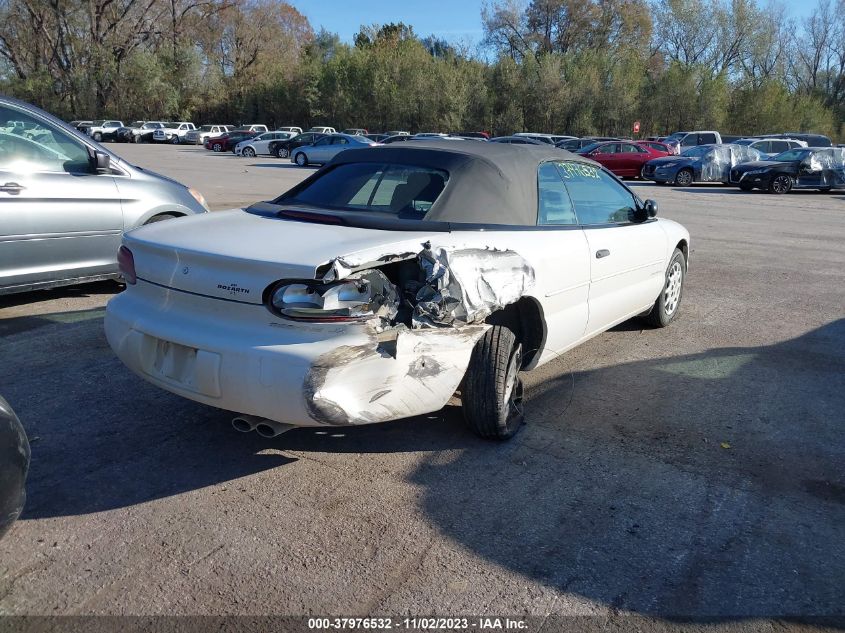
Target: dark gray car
{"type": "Point", "coordinates": [14, 464]}
{"type": "Point", "coordinates": [65, 202]}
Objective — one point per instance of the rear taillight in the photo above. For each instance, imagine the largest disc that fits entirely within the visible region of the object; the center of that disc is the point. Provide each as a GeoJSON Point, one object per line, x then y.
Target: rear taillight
{"type": "Point", "coordinates": [126, 265]}
{"type": "Point", "coordinates": [361, 296]}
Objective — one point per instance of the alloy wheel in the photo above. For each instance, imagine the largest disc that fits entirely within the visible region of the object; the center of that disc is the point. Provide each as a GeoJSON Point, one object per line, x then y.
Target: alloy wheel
{"type": "Point", "coordinates": [672, 291]}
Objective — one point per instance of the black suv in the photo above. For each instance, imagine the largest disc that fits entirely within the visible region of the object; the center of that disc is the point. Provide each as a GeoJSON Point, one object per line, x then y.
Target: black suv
{"type": "Point", "coordinates": [282, 149]}
{"type": "Point", "coordinates": [821, 168]}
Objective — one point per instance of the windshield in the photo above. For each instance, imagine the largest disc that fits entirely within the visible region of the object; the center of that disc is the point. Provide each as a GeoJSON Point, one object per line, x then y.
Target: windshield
{"type": "Point", "coordinates": [696, 151]}
{"type": "Point", "coordinates": [406, 191]}
{"type": "Point", "coordinates": [792, 154]}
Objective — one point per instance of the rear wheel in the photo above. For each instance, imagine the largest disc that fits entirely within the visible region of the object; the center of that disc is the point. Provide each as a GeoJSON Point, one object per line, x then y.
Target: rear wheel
{"type": "Point", "coordinates": [666, 306]}
{"type": "Point", "coordinates": [642, 173]}
{"type": "Point", "coordinates": [301, 159]}
{"type": "Point", "coordinates": [493, 392]}
{"type": "Point", "coordinates": [684, 178]}
{"type": "Point", "coordinates": [282, 152]}
{"type": "Point", "coordinates": [780, 184]}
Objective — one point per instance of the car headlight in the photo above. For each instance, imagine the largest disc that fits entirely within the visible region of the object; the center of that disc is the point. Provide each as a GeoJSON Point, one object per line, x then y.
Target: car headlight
{"type": "Point", "coordinates": [198, 197]}
{"type": "Point", "coordinates": [755, 172]}
{"type": "Point", "coordinates": [360, 296]}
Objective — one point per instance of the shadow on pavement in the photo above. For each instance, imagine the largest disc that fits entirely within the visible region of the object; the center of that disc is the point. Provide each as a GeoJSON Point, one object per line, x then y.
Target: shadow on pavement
{"type": "Point", "coordinates": [284, 163]}
{"type": "Point", "coordinates": [98, 288]}
{"type": "Point", "coordinates": [708, 485]}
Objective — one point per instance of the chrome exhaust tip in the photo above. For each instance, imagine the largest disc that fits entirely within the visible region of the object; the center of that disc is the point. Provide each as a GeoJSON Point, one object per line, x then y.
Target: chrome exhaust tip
{"type": "Point", "coordinates": [269, 428]}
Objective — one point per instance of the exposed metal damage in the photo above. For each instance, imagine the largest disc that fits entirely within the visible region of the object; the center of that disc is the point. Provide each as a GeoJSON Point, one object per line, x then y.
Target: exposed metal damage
{"type": "Point", "coordinates": [417, 372]}
{"type": "Point", "coordinates": [428, 310]}
{"type": "Point", "coordinates": [454, 287]}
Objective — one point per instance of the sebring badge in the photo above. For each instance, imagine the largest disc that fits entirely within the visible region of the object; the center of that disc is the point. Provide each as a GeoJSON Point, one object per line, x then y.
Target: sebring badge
{"type": "Point", "coordinates": [233, 289]}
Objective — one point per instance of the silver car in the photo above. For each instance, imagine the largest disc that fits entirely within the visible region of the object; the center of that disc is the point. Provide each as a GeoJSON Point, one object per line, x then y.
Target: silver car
{"type": "Point", "coordinates": [65, 202]}
{"type": "Point", "coordinates": [327, 147]}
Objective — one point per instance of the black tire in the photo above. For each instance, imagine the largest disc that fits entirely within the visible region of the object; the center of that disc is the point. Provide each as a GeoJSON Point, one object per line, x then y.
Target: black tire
{"type": "Point", "coordinates": [684, 178]}
{"type": "Point", "coordinates": [642, 173]}
{"type": "Point", "coordinates": [175, 140]}
{"type": "Point", "coordinates": [492, 393]}
{"type": "Point", "coordinates": [98, 137]}
{"type": "Point", "coordinates": [302, 159]}
{"type": "Point", "coordinates": [746, 186]}
{"type": "Point", "coordinates": [282, 152]}
{"type": "Point", "coordinates": [780, 184]}
{"type": "Point", "coordinates": [217, 147]}
{"type": "Point", "coordinates": [248, 152]}
{"type": "Point", "coordinates": [667, 305]}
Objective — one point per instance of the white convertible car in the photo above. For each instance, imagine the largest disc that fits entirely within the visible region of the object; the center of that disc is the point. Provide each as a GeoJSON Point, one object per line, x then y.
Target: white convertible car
{"type": "Point", "coordinates": [392, 279]}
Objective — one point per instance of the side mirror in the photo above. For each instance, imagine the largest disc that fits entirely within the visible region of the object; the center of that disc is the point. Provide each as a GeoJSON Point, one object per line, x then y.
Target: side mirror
{"type": "Point", "coordinates": [650, 207]}
{"type": "Point", "coordinates": [100, 162]}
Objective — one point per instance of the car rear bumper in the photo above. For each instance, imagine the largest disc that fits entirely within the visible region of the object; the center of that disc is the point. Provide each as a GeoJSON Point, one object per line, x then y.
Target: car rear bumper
{"type": "Point", "coordinates": [241, 358]}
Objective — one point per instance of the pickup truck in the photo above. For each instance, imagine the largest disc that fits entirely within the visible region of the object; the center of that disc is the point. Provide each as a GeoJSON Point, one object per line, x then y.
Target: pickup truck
{"type": "Point", "coordinates": [201, 135]}
{"type": "Point", "coordinates": [103, 130]}
{"type": "Point", "coordinates": [173, 133]}
{"type": "Point", "coordinates": [255, 128]}
{"type": "Point", "coordinates": [138, 132]}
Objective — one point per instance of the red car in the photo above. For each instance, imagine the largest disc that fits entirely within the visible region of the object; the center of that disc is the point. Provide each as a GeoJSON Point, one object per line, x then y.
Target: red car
{"type": "Point", "coordinates": [227, 142]}
{"type": "Point", "coordinates": [657, 146]}
{"type": "Point", "coordinates": [623, 158]}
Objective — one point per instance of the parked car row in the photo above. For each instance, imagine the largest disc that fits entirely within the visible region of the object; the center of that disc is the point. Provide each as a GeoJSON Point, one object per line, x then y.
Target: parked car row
{"type": "Point", "coordinates": [742, 165]}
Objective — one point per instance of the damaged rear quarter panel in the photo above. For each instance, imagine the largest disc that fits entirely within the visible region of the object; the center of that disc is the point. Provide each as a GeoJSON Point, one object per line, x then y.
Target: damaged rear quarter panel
{"type": "Point", "coordinates": [404, 371]}
{"type": "Point", "coordinates": [363, 384]}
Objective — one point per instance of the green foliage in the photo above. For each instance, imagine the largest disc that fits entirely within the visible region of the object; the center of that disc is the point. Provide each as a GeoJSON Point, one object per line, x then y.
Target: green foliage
{"type": "Point", "coordinates": [567, 66]}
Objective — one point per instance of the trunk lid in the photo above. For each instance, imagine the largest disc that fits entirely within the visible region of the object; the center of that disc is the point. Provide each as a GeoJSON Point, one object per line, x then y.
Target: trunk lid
{"type": "Point", "coordinates": [235, 255]}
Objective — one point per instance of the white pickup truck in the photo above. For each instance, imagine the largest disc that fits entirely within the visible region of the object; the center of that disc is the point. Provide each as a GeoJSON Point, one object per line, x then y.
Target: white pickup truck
{"type": "Point", "coordinates": [102, 130]}
{"type": "Point", "coordinates": [200, 135]}
{"type": "Point", "coordinates": [173, 132]}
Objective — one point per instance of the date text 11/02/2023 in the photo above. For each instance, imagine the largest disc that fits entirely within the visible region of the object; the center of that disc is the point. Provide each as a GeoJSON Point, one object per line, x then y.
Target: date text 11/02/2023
{"type": "Point", "coordinates": [418, 623]}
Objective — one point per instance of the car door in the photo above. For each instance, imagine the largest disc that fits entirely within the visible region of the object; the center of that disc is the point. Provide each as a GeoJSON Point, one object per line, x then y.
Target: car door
{"type": "Point", "coordinates": [606, 155]}
{"type": "Point", "coordinates": [815, 169]}
{"type": "Point", "coordinates": [58, 219]}
{"type": "Point", "coordinates": [627, 258]}
{"type": "Point", "coordinates": [338, 144]}
{"type": "Point", "coordinates": [560, 255]}
{"type": "Point", "coordinates": [630, 159]}
{"type": "Point", "coordinates": [319, 151]}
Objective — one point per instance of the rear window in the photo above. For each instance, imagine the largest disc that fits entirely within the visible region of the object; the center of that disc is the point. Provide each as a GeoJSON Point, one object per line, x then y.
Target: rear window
{"type": "Point", "coordinates": [407, 191]}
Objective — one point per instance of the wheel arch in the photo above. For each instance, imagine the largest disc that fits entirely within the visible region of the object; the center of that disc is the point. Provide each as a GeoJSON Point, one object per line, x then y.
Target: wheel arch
{"type": "Point", "coordinates": [683, 246]}
{"type": "Point", "coordinates": [526, 320]}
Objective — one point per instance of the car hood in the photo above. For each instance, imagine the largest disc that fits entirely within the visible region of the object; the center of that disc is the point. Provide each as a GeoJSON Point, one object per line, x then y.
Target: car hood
{"type": "Point", "coordinates": [235, 255]}
{"type": "Point", "coordinates": [672, 161]}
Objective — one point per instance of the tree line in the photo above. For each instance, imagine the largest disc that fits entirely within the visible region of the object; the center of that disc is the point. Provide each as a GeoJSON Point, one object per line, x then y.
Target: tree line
{"type": "Point", "coordinates": [567, 66]}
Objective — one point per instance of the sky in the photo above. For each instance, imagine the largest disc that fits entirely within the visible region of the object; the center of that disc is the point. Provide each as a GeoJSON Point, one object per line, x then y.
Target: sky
{"type": "Point", "coordinates": [452, 20]}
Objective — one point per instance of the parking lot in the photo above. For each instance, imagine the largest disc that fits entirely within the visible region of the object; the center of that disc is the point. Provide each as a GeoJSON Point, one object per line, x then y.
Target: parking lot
{"type": "Point", "coordinates": [692, 472]}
